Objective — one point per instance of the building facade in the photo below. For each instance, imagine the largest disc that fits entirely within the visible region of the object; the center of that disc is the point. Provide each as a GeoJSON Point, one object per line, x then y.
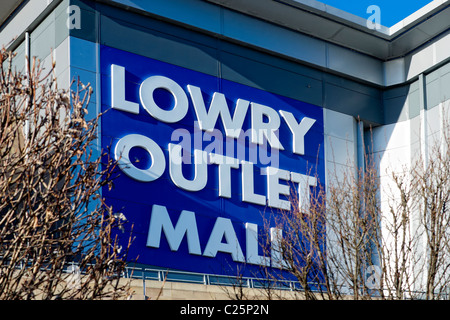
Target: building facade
{"type": "Point", "coordinates": [310, 87]}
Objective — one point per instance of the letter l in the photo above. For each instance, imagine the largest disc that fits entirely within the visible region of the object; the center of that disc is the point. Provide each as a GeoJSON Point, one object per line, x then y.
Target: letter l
{"type": "Point", "coordinates": [118, 91]}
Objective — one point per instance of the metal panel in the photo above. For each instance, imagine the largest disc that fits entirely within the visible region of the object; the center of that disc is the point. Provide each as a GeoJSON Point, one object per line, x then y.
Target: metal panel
{"type": "Point", "coordinates": [433, 93]}
{"type": "Point", "coordinates": [83, 54]}
{"type": "Point", "coordinates": [414, 104]}
{"type": "Point", "coordinates": [339, 125]}
{"type": "Point", "coordinates": [419, 62]}
{"type": "Point", "coordinates": [61, 30]}
{"type": "Point", "coordinates": [269, 59]}
{"type": "Point", "coordinates": [196, 13]}
{"type": "Point", "coordinates": [407, 42]}
{"type": "Point", "coordinates": [274, 38]}
{"type": "Point", "coordinates": [158, 45]}
{"type": "Point", "coordinates": [395, 109]}
{"type": "Point", "coordinates": [442, 47]}
{"type": "Point", "coordinates": [436, 24]}
{"type": "Point", "coordinates": [394, 72]}
{"type": "Point", "coordinates": [7, 7]}
{"type": "Point", "coordinates": [354, 64]}
{"type": "Point", "coordinates": [88, 26]}
{"type": "Point", "coordinates": [271, 78]}
{"type": "Point", "coordinates": [25, 17]}
{"type": "Point", "coordinates": [61, 55]}
{"type": "Point", "coordinates": [43, 38]}
{"type": "Point", "coordinates": [363, 88]}
{"type": "Point", "coordinates": [353, 103]}
{"type": "Point", "coordinates": [445, 87]}
{"type": "Point", "coordinates": [377, 47]}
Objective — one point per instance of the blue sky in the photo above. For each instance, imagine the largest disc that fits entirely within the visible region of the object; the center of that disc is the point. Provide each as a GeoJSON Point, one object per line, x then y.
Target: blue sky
{"type": "Point", "coordinates": [392, 11]}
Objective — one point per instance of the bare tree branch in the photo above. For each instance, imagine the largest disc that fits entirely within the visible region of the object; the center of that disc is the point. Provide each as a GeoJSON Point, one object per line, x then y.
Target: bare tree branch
{"type": "Point", "coordinates": [51, 176]}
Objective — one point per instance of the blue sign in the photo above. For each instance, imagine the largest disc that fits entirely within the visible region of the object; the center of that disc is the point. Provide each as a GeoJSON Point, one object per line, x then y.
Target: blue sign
{"type": "Point", "coordinates": [204, 163]}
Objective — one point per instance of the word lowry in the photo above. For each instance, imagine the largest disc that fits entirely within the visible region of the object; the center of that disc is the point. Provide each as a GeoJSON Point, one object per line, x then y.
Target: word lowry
{"type": "Point", "coordinates": [265, 121]}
